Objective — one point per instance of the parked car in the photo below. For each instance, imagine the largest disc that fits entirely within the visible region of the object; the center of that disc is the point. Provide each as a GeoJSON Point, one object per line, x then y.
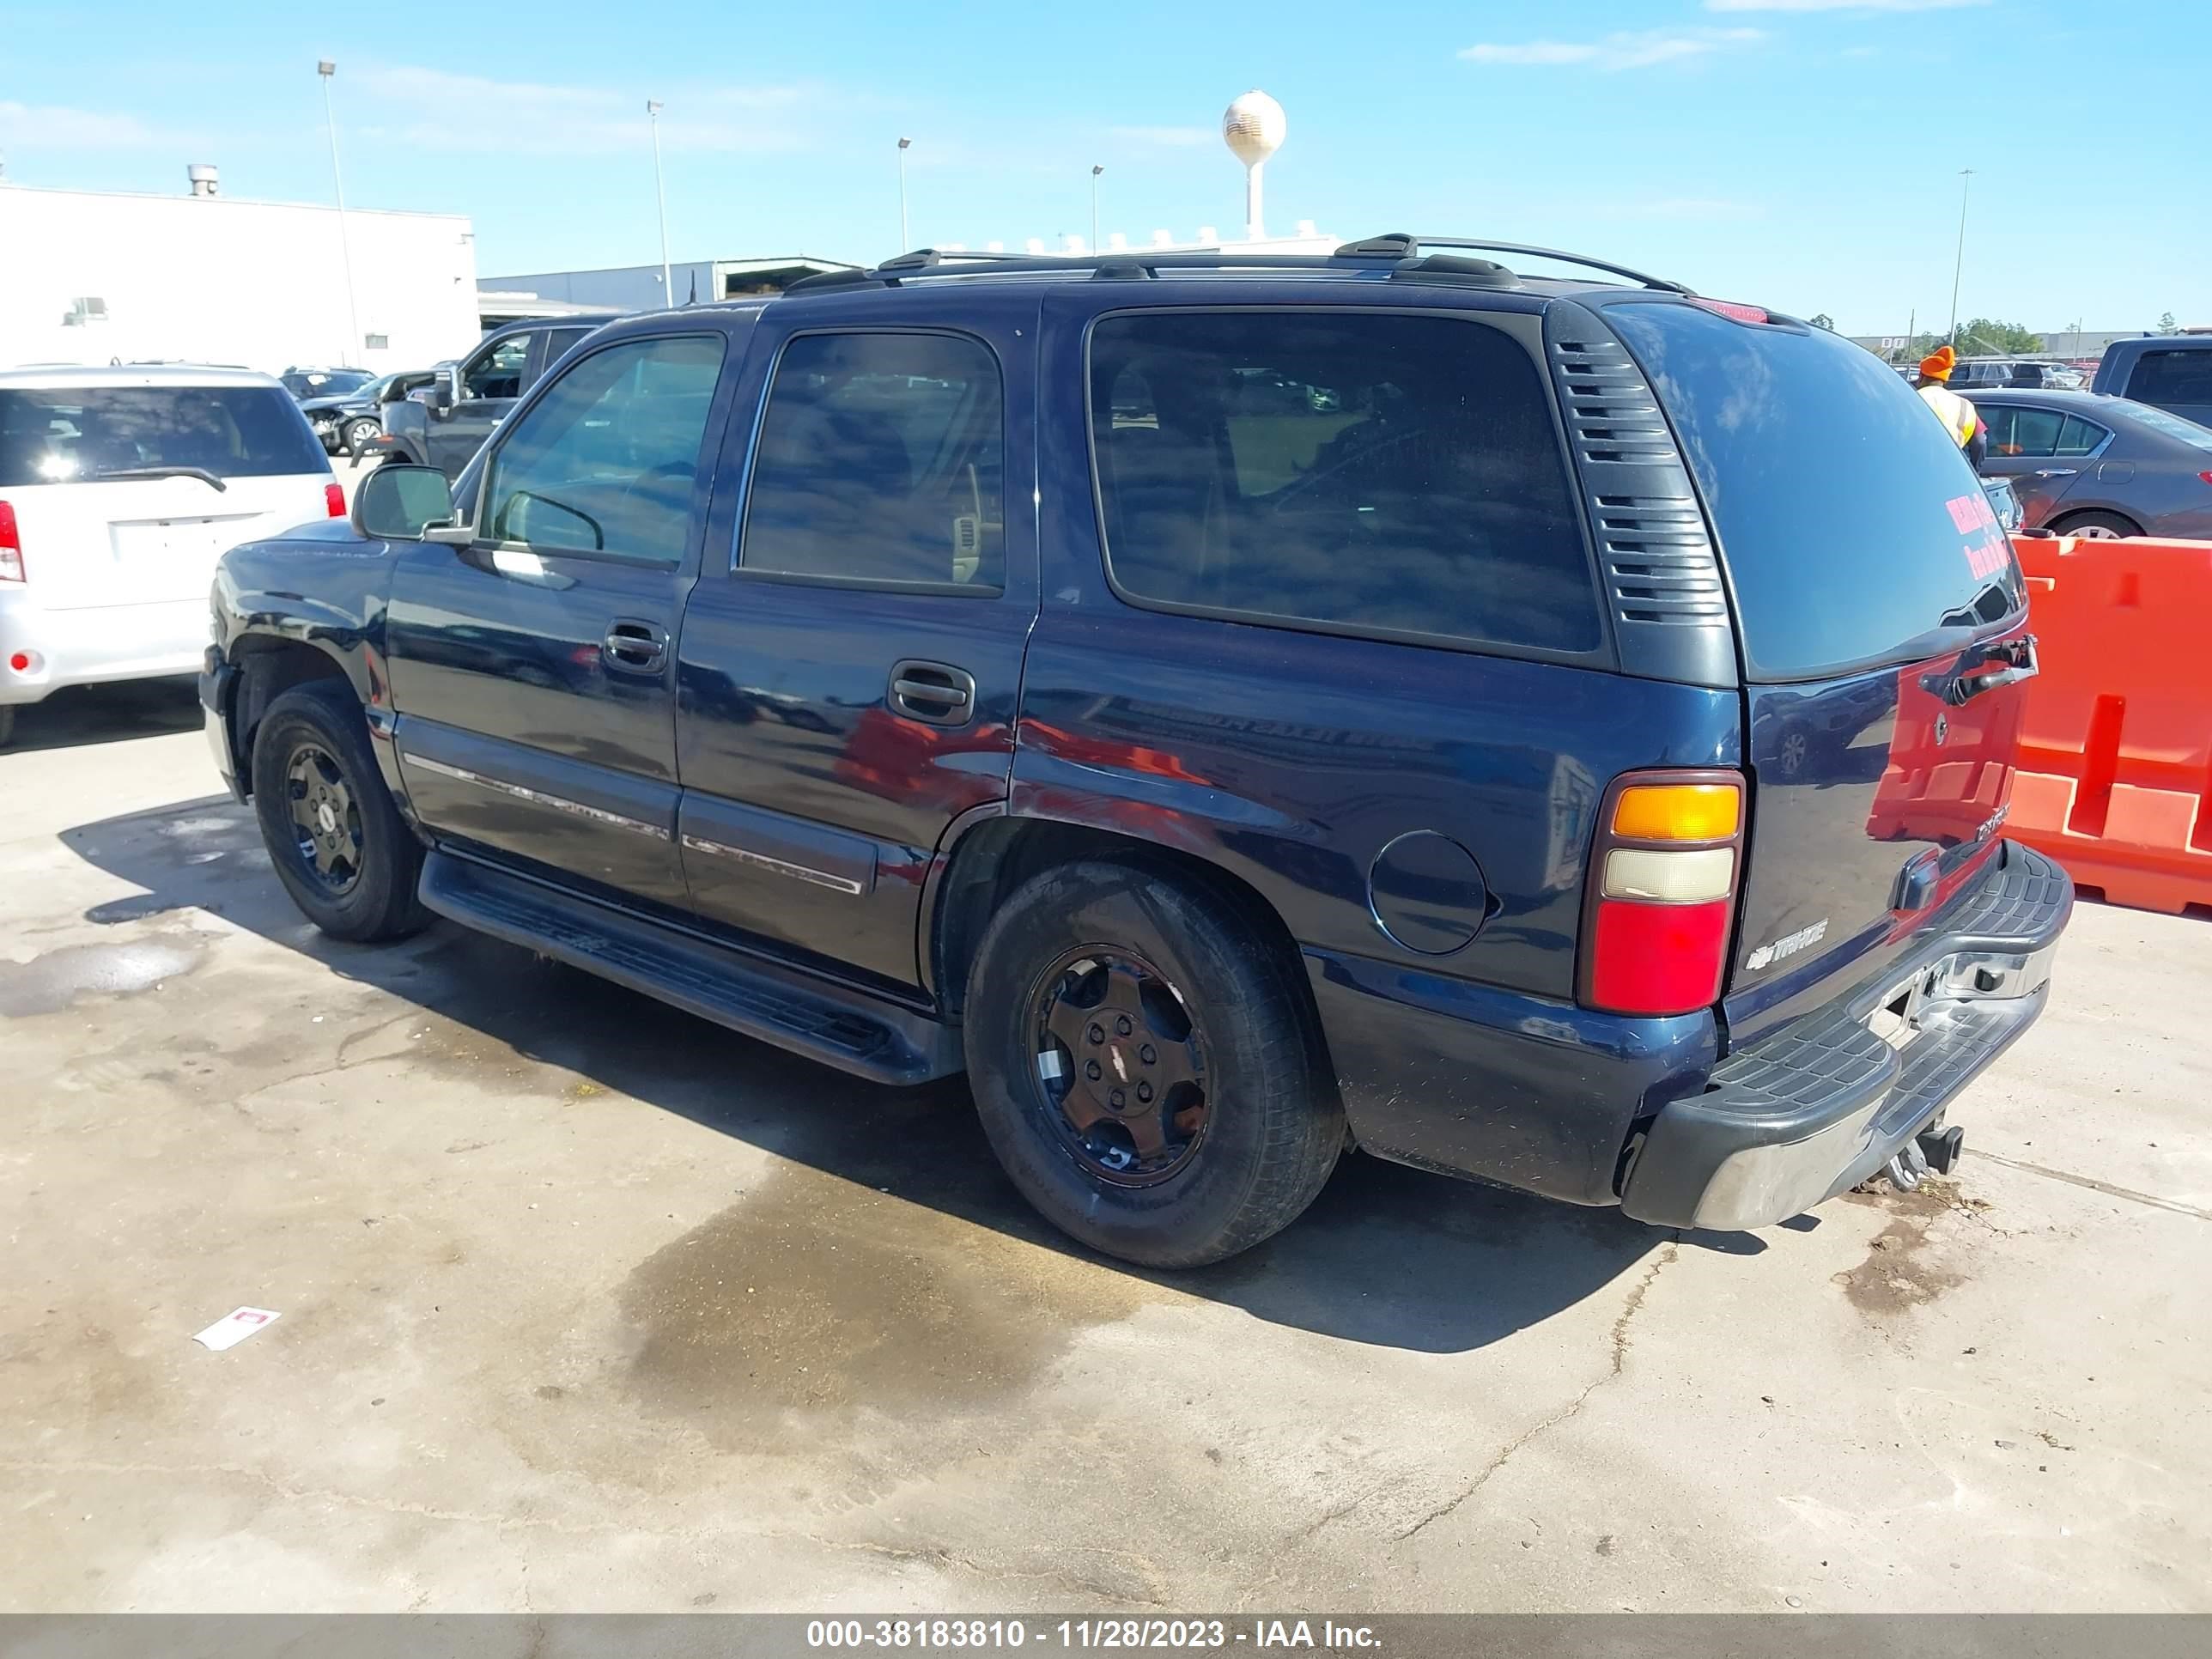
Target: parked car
{"type": "Point", "coordinates": [348, 422]}
{"type": "Point", "coordinates": [119, 490]}
{"type": "Point", "coordinates": [444, 422]}
{"type": "Point", "coordinates": [2171, 371]}
{"type": "Point", "coordinates": [1979, 374]}
{"type": "Point", "coordinates": [2084, 465]}
{"type": "Point", "coordinates": [946, 668]}
{"type": "Point", "coordinates": [305, 383]}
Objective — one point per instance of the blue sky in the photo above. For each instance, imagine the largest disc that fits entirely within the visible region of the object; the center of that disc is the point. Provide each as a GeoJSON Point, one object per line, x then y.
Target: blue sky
{"type": "Point", "coordinates": [1800, 152]}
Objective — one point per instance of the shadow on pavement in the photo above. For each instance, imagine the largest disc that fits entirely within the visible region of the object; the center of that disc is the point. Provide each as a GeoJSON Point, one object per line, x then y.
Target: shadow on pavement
{"type": "Point", "coordinates": [1387, 1256]}
{"type": "Point", "coordinates": [81, 714]}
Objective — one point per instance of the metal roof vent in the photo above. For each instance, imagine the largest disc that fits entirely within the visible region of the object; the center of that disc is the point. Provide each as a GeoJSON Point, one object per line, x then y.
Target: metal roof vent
{"type": "Point", "coordinates": [204, 178]}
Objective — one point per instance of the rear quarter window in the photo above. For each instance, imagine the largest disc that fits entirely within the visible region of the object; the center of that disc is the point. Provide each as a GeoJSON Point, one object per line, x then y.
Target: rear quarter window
{"type": "Point", "coordinates": [1369, 473]}
{"type": "Point", "coordinates": [78, 434]}
{"type": "Point", "coordinates": [1849, 521]}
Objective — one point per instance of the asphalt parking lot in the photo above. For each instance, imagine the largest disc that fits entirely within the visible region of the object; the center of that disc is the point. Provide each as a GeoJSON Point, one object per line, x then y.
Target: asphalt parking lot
{"type": "Point", "coordinates": [589, 1305]}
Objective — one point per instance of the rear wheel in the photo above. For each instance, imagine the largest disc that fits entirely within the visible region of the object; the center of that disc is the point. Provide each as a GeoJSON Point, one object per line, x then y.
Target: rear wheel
{"type": "Point", "coordinates": [338, 841]}
{"type": "Point", "coordinates": [1147, 1067]}
{"type": "Point", "coordinates": [2097, 526]}
{"type": "Point", "coordinates": [6, 723]}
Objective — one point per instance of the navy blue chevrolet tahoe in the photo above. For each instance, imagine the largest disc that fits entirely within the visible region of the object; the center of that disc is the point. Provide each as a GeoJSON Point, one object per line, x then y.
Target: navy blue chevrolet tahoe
{"type": "Point", "coordinates": [1237, 708]}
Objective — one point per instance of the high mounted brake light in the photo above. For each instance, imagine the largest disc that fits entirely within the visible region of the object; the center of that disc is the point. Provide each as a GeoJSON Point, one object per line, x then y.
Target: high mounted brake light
{"type": "Point", "coordinates": [1733, 312]}
{"type": "Point", "coordinates": [1662, 896]}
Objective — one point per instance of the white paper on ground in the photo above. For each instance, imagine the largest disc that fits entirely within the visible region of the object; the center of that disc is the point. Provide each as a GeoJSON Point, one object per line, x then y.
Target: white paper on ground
{"type": "Point", "coordinates": [235, 1328]}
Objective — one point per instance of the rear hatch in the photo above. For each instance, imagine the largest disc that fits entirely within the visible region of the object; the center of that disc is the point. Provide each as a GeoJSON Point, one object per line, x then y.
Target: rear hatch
{"type": "Point", "coordinates": [129, 494]}
{"type": "Point", "coordinates": [1881, 623]}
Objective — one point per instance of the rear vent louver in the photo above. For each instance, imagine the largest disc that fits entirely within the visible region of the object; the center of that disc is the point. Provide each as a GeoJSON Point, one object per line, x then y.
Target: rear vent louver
{"type": "Point", "coordinates": [1658, 562]}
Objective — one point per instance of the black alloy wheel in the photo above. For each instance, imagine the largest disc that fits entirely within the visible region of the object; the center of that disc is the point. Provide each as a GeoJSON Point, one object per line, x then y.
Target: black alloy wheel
{"type": "Point", "coordinates": [325, 818]}
{"type": "Point", "coordinates": [1121, 1071]}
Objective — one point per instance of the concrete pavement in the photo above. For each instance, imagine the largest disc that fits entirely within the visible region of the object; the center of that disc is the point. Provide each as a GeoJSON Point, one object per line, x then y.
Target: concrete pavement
{"type": "Point", "coordinates": [589, 1305]}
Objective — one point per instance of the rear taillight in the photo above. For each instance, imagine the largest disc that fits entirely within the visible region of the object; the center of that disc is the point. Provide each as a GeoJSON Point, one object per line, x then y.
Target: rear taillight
{"type": "Point", "coordinates": [1663, 892]}
{"type": "Point", "coordinates": [1733, 312]}
{"type": "Point", "coordinates": [2206, 477]}
{"type": "Point", "coordinates": [11, 546]}
{"type": "Point", "coordinates": [334, 500]}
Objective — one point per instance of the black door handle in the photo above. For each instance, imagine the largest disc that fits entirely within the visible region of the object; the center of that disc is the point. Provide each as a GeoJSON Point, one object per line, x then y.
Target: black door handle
{"type": "Point", "coordinates": [933, 691]}
{"type": "Point", "coordinates": [635, 648]}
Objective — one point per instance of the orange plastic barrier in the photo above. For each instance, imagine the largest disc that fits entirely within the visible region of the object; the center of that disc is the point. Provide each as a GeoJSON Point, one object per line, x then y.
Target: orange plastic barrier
{"type": "Point", "coordinates": [2116, 746]}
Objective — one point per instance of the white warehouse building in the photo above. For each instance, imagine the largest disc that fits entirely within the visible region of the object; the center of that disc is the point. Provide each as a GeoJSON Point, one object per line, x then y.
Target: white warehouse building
{"type": "Point", "coordinates": [92, 276]}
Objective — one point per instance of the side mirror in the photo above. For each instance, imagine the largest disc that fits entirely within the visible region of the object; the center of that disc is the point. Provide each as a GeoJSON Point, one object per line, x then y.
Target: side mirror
{"type": "Point", "coordinates": [398, 503]}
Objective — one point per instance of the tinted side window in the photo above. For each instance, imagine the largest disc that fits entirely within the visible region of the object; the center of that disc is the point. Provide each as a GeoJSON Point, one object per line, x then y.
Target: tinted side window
{"type": "Point", "coordinates": [2034, 432]}
{"type": "Point", "coordinates": [1388, 473]}
{"type": "Point", "coordinates": [882, 458]}
{"type": "Point", "coordinates": [497, 373]}
{"type": "Point", "coordinates": [605, 461]}
{"type": "Point", "coordinates": [2080, 437]}
{"type": "Point", "coordinates": [2173, 377]}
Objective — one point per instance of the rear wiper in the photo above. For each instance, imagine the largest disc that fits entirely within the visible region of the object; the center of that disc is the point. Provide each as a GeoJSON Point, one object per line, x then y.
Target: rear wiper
{"type": "Point", "coordinates": [199, 472]}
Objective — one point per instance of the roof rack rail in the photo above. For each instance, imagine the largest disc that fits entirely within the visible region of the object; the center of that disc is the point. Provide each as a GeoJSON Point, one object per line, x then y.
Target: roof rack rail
{"type": "Point", "coordinates": [1396, 255]}
{"type": "Point", "coordinates": [1397, 245]}
{"type": "Point", "coordinates": [1107, 263]}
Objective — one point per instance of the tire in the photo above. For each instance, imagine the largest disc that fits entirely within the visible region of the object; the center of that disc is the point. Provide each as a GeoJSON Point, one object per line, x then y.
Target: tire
{"type": "Point", "coordinates": [359, 434]}
{"type": "Point", "coordinates": [312, 744]}
{"type": "Point", "coordinates": [2099, 526]}
{"type": "Point", "coordinates": [1268, 1125]}
{"type": "Point", "coordinates": [6, 723]}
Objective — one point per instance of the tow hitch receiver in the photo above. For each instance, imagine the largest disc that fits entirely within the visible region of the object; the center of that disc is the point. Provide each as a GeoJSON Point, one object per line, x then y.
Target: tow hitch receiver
{"type": "Point", "coordinates": [1934, 1149]}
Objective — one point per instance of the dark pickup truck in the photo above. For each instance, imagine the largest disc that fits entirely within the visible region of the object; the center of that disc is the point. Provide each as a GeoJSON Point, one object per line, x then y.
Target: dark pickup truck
{"type": "Point", "coordinates": [441, 417]}
{"type": "Point", "coordinates": [1237, 709]}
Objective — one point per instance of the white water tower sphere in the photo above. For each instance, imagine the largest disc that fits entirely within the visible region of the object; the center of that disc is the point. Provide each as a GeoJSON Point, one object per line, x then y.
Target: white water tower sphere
{"type": "Point", "coordinates": [1253, 127]}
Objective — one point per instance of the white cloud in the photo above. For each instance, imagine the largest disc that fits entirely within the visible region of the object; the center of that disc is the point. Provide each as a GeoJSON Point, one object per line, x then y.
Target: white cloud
{"type": "Point", "coordinates": [433, 109]}
{"type": "Point", "coordinates": [1623, 50]}
{"type": "Point", "coordinates": [1164, 137]}
{"type": "Point", "coordinates": [50, 126]}
{"type": "Point", "coordinates": [1840, 5]}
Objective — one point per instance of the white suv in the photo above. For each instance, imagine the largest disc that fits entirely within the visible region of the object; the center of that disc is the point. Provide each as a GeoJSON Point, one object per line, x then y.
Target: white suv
{"type": "Point", "coordinates": [119, 488]}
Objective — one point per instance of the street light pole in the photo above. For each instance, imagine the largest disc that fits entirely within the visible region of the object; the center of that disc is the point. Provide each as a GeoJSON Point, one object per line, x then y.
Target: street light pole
{"type": "Point", "coordinates": [1960, 264]}
{"type": "Point", "coordinates": [904, 246]}
{"type": "Point", "coordinates": [1095, 171]}
{"type": "Point", "coordinates": [660, 198]}
{"type": "Point", "coordinates": [326, 69]}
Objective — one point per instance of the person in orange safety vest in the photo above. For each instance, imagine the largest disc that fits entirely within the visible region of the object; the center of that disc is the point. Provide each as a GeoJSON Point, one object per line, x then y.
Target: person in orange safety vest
{"type": "Point", "coordinates": [1960, 417]}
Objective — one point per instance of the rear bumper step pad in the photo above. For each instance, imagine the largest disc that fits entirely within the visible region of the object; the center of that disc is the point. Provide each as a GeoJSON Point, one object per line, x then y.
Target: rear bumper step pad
{"type": "Point", "coordinates": [1815, 1108]}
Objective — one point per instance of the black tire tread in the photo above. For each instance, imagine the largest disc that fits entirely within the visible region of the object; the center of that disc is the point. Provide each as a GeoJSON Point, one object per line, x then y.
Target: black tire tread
{"type": "Point", "coordinates": [1301, 1122]}
{"type": "Point", "coordinates": [384, 904]}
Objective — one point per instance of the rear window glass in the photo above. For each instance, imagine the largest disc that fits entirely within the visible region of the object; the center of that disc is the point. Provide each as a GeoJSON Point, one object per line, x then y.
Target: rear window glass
{"type": "Point", "coordinates": [1372, 472]}
{"type": "Point", "coordinates": [2172, 425]}
{"type": "Point", "coordinates": [1849, 520]}
{"type": "Point", "coordinates": [76, 435]}
{"type": "Point", "coordinates": [2182, 376]}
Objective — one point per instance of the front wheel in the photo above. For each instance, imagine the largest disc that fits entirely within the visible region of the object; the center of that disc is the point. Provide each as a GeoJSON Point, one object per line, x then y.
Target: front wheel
{"type": "Point", "coordinates": [338, 841]}
{"type": "Point", "coordinates": [360, 434]}
{"type": "Point", "coordinates": [1146, 1066]}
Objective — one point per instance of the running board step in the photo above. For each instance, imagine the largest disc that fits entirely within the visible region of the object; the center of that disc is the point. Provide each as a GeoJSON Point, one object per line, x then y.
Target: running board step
{"type": "Point", "coordinates": [847, 1029]}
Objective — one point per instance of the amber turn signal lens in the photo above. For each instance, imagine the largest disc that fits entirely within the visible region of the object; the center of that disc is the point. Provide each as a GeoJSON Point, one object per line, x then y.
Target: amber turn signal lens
{"type": "Point", "coordinates": [1678, 811]}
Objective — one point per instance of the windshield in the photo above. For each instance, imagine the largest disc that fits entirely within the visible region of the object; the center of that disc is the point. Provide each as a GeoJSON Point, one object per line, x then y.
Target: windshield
{"type": "Point", "coordinates": [324, 382]}
{"type": "Point", "coordinates": [2172, 426]}
{"type": "Point", "coordinates": [1849, 521]}
{"type": "Point", "coordinates": [72, 434]}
